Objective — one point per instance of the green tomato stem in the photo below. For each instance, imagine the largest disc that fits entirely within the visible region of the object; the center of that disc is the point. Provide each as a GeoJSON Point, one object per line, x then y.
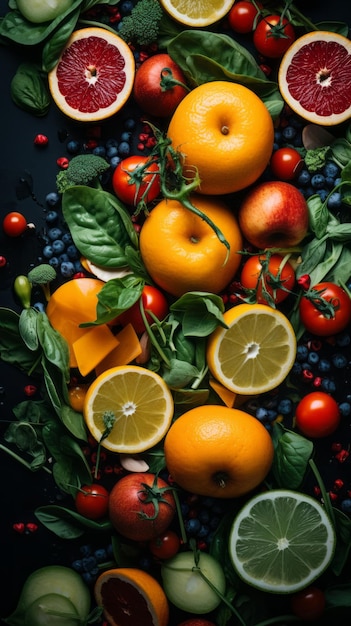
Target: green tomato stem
{"type": "Point", "coordinates": [196, 568]}
{"type": "Point", "coordinates": [20, 460]}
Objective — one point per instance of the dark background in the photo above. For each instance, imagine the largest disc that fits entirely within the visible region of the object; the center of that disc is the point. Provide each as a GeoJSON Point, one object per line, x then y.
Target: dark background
{"type": "Point", "coordinates": [20, 491]}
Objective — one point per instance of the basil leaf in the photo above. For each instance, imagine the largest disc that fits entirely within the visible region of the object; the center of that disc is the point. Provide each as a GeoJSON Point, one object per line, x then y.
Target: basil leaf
{"type": "Point", "coordinates": [54, 346]}
{"type": "Point", "coordinates": [115, 297]}
{"type": "Point", "coordinates": [100, 225]}
{"type": "Point", "coordinates": [29, 91]}
{"type": "Point", "coordinates": [292, 453]}
{"type": "Point", "coordinates": [330, 260]}
{"type": "Point", "coordinates": [28, 328]}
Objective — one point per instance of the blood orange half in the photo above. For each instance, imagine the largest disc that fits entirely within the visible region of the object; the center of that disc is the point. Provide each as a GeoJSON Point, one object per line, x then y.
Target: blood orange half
{"type": "Point", "coordinates": [315, 77]}
{"type": "Point", "coordinates": [94, 75]}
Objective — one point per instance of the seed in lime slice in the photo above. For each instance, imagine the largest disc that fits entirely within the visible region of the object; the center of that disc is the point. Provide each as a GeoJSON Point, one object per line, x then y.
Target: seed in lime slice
{"type": "Point", "coordinates": [281, 541]}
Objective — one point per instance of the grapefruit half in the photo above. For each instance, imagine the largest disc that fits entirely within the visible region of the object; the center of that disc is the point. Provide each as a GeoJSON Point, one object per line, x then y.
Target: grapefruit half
{"type": "Point", "coordinates": [94, 75]}
{"type": "Point", "coordinates": [315, 77]}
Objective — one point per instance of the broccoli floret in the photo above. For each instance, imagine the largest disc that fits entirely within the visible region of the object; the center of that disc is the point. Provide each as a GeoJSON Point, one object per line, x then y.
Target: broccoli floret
{"type": "Point", "coordinates": [83, 169]}
{"type": "Point", "coordinates": [142, 25]}
{"type": "Point", "coordinates": [315, 159]}
{"type": "Point", "coordinates": [42, 275]}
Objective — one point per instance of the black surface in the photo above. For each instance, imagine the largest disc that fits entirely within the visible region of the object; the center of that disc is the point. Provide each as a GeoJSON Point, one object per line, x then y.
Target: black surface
{"type": "Point", "coordinates": [21, 492]}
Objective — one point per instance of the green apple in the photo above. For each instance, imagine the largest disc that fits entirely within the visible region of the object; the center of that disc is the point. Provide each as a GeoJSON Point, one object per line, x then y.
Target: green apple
{"type": "Point", "coordinates": [51, 610]}
{"type": "Point", "coordinates": [187, 589]}
{"type": "Point", "coordinates": [39, 11]}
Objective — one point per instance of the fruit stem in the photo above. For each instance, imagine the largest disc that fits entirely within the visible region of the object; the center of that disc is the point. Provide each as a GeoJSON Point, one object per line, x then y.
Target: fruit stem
{"type": "Point", "coordinates": [232, 608]}
{"type": "Point", "coordinates": [20, 460]}
{"type": "Point", "coordinates": [168, 81]}
{"type": "Point", "coordinates": [325, 497]}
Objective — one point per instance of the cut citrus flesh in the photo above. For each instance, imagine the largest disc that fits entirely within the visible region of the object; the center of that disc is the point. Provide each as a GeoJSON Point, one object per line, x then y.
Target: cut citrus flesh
{"type": "Point", "coordinates": [94, 75]}
{"type": "Point", "coordinates": [197, 12]}
{"type": "Point", "coordinates": [255, 353]}
{"type": "Point", "coordinates": [140, 402]}
{"type": "Point", "coordinates": [131, 596]}
{"type": "Point", "coordinates": [281, 541]}
{"type": "Point", "coordinates": [315, 77]}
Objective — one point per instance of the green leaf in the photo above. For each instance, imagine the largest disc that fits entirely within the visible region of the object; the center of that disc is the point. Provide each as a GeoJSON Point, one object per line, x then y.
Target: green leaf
{"type": "Point", "coordinates": [54, 346]}
{"type": "Point", "coordinates": [55, 44]}
{"type": "Point", "coordinates": [318, 215]}
{"type": "Point", "coordinates": [343, 543]}
{"type": "Point", "coordinates": [100, 225]}
{"type": "Point", "coordinates": [28, 328]}
{"type": "Point", "coordinates": [13, 350]}
{"type": "Point", "coordinates": [335, 27]}
{"type": "Point", "coordinates": [29, 90]}
{"type": "Point", "coordinates": [338, 595]}
{"type": "Point", "coordinates": [201, 313]}
{"type": "Point", "coordinates": [292, 453]}
{"type": "Point", "coordinates": [66, 523]}
{"type": "Point", "coordinates": [116, 296]}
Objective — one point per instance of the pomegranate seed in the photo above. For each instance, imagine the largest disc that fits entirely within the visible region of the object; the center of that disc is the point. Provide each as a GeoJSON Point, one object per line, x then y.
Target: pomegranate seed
{"type": "Point", "coordinates": [32, 527]}
{"type": "Point", "coordinates": [333, 496]}
{"type": "Point", "coordinates": [63, 162]}
{"type": "Point", "coordinates": [338, 484]}
{"type": "Point", "coordinates": [141, 146]}
{"type": "Point", "coordinates": [342, 456]}
{"type": "Point", "coordinates": [316, 491]}
{"type": "Point", "coordinates": [307, 375]}
{"type": "Point", "coordinates": [3, 261]}
{"type": "Point", "coordinates": [78, 275]}
{"type": "Point", "coordinates": [30, 390]}
{"type": "Point", "coordinates": [41, 140]}
{"type": "Point", "coordinates": [304, 281]}
{"type": "Point", "coordinates": [91, 144]}
{"type": "Point", "coordinates": [317, 381]}
{"type": "Point", "coordinates": [336, 447]}
{"type": "Point", "coordinates": [19, 527]}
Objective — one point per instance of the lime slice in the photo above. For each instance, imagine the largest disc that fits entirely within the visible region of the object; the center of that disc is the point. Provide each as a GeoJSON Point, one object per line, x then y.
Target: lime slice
{"type": "Point", "coordinates": [281, 541]}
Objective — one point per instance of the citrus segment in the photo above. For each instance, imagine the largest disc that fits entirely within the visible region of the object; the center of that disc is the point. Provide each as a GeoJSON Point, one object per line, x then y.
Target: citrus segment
{"type": "Point", "coordinates": [281, 541]}
{"type": "Point", "coordinates": [315, 77]}
{"type": "Point", "coordinates": [232, 448]}
{"type": "Point", "coordinates": [225, 132]}
{"type": "Point", "coordinates": [130, 596]}
{"type": "Point", "coordinates": [197, 12]}
{"type": "Point", "coordinates": [94, 75]}
{"type": "Point", "coordinates": [139, 402]}
{"type": "Point", "coordinates": [176, 246]}
{"type": "Point", "coordinates": [255, 353]}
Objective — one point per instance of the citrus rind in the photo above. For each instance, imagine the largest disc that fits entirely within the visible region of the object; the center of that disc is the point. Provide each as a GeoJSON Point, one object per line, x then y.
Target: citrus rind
{"type": "Point", "coordinates": [197, 13]}
{"type": "Point", "coordinates": [142, 405]}
{"type": "Point", "coordinates": [314, 77]}
{"type": "Point", "coordinates": [253, 542]}
{"type": "Point", "coordinates": [94, 75]}
{"type": "Point", "coordinates": [256, 351]}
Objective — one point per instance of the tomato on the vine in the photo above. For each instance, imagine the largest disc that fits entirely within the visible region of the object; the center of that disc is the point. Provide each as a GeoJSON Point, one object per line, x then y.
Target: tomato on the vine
{"type": "Point", "coordinates": [325, 309]}
{"type": "Point", "coordinates": [166, 545]}
{"type": "Point", "coordinates": [136, 178]}
{"type": "Point", "coordinates": [317, 414]}
{"type": "Point", "coordinates": [14, 224]}
{"type": "Point", "coordinates": [243, 16]}
{"type": "Point", "coordinates": [92, 501]}
{"type": "Point", "coordinates": [286, 163]}
{"type": "Point", "coordinates": [269, 278]}
{"type": "Point", "coordinates": [308, 604]}
{"type": "Point", "coordinates": [273, 35]}
{"type": "Point", "coordinates": [152, 300]}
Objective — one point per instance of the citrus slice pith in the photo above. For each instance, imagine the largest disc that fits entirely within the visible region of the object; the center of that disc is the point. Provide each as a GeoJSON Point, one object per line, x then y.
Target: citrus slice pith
{"type": "Point", "coordinates": [315, 77]}
{"type": "Point", "coordinates": [140, 402]}
{"type": "Point", "coordinates": [197, 12]}
{"type": "Point", "coordinates": [281, 541]}
{"type": "Point", "coordinates": [131, 596]}
{"type": "Point", "coordinates": [94, 75]}
{"type": "Point", "coordinates": [255, 353]}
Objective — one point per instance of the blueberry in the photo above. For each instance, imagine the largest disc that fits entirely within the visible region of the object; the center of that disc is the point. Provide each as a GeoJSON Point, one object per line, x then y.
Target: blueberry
{"type": "Point", "coordinates": [129, 124]}
{"type": "Point", "coordinates": [52, 198]}
{"type": "Point", "coordinates": [114, 161]}
{"type": "Point", "coordinates": [302, 353]}
{"type": "Point", "coordinates": [100, 555]}
{"type": "Point", "coordinates": [334, 201]}
{"type": "Point", "coordinates": [78, 267]}
{"type": "Point", "coordinates": [88, 578]}
{"type": "Point", "coordinates": [339, 361]}
{"type": "Point", "coordinates": [328, 385]}
{"type": "Point", "coordinates": [331, 170]}
{"type": "Point", "coordinates": [343, 340]}
{"type": "Point", "coordinates": [289, 133]}
{"type": "Point", "coordinates": [58, 246]}
{"type": "Point", "coordinates": [203, 531]}
{"type": "Point", "coordinates": [297, 369]}
{"type": "Point", "coordinates": [72, 252]}
{"type": "Point", "coordinates": [184, 508]}
{"type": "Point", "coordinates": [111, 152]}
{"type": "Point", "coordinates": [88, 563]}
{"type": "Point", "coordinates": [77, 565]}
{"type": "Point", "coordinates": [323, 194]}
{"type": "Point", "coordinates": [192, 526]}
{"type": "Point", "coordinates": [67, 238]}
{"type": "Point", "coordinates": [304, 178]}
{"type": "Point", "coordinates": [346, 505]}
{"type": "Point", "coordinates": [63, 258]}
{"type": "Point", "coordinates": [324, 365]}
{"type": "Point", "coordinates": [126, 136]}
{"type": "Point", "coordinates": [54, 262]}
{"type": "Point", "coordinates": [100, 151]}
{"type": "Point", "coordinates": [86, 550]}
{"type": "Point", "coordinates": [124, 149]}
{"type": "Point", "coordinates": [126, 7]}
{"type": "Point", "coordinates": [329, 181]}
{"type": "Point", "coordinates": [285, 406]}
{"type": "Point", "coordinates": [261, 414]}
{"type": "Point", "coordinates": [51, 217]}
{"type": "Point", "coordinates": [67, 269]}
{"type": "Point", "coordinates": [277, 137]}
{"type": "Point", "coordinates": [48, 252]}
{"type": "Point", "coordinates": [318, 181]}
{"type": "Point", "coordinates": [345, 409]}
{"type": "Point", "coordinates": [55, 233]}
{"type": "Point", "coordinates": [73, 147]}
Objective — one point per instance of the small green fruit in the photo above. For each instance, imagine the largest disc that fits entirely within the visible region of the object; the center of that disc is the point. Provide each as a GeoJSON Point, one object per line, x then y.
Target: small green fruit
{"type": "Point", "coordinates": [39, 11]}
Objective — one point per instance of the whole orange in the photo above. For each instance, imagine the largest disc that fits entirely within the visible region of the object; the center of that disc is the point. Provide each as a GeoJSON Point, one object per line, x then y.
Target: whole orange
{"type": "Point", "coordinates": [217, 451]}
{"type": "Point", "coordinates": [183, 253]}
{"type": "Point", "coordinates": [226, 132]}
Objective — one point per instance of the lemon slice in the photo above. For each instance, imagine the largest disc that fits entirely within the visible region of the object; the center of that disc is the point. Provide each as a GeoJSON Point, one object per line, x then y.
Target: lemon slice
{"type": "Point", "coordinates": [197, 12]}
{"type": "Point", "coordinates": [281, 541]}
{"type": "Point", "coordinates": [140, 406]}
{"type": "Point", "coordinates": [255, 353]}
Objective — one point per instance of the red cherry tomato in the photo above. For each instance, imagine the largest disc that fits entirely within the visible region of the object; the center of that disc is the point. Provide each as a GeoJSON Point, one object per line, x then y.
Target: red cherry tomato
{"type": "Point", "coordinates": [146, 186]}
{"type": "Point", "coordinates": [243, 16]}
{"type": "Point", "coordinates": [165, 545]}
{"type": "Point", "coordinates": [273, 35]}
{"type": "Point", "coordinates": [286, 163]}
{"type": "Point", "coordinates": [317, 415]}
{"type": "Point", "coordinates": [92, 501]}
{"type": "Point", "coordinates": [153, 300]}
{"type": "Point", "coordinates": [268, 277]}
{"type": "Point", "coordinates": [308, 604]}
{"type": "Point", "coordinates": [327, 312]}
{"type": "Point", "coordinates": [14, 224]}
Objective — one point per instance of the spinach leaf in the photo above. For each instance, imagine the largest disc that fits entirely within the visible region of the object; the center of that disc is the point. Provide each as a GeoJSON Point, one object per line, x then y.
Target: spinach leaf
{"type": "Point", "coordinates": [100, 225]}
{"type": "Point", "coordinates": [343, 541]}
{"type": "Point", "coordinates": [115, 297]}
{"type": "Point", "coordinates": [199, 312]}
{"type": "Point", "coordinates": [29, 90]}
{"type": "Point", "coordinates": [318, 215]}
{"type": "Point", "coordinates": [54, 45]}
{"type": "Point", "coordinates": [28, 328]}
{"type": "Point", "coordinates": [55, 347]}
{"type": "Point", "coordinates": [66, 523]}
{"type": "Point", "coordinates": [292, 453]}
{"type": "Point", "coordinates": [13, 350]}
{"type": "Point", "coordinates": [205, 56]}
